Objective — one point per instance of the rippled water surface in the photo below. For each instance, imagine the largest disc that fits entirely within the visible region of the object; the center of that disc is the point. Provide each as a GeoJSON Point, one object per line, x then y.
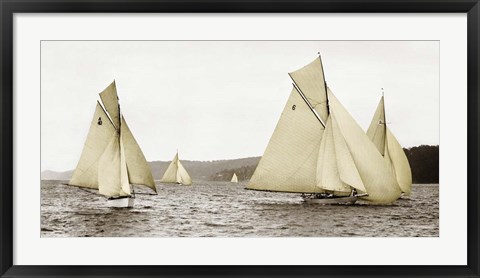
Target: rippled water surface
{"type": "Point", "coordinates": [222, 209]}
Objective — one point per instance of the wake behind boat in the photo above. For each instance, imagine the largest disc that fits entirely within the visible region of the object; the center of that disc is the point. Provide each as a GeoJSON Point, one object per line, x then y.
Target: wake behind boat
{"type": "Point", "coordinates": [111, 160]}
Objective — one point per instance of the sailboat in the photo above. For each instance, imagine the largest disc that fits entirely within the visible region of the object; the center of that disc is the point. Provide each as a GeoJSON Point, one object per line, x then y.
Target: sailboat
{"type": "Point", "coordinates": [176, 173]}
{"type": "Point", "coordinates": [111, 160]}
{"type": "Point", "coordinates": [389, 148]}
{"type": "Point", "coordinates": [319, 150]}
{"type": "Point", "coordinates": [234, 178]}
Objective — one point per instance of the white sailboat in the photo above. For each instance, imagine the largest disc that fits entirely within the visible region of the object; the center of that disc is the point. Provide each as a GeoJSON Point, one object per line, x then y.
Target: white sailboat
{"type": "Point", "coordinates": [389, 147]}
{"type": "Point", "coordinates": [234, 178]}
{"type": "Point", "coordinates": [176, 173]}
{"type": "Point", "coordinates": [319, 150]}
{"type": "Point", "coordinates": [111, 160]}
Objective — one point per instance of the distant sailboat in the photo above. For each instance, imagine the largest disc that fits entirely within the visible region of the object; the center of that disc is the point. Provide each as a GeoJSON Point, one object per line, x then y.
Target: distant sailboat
{"type": "Point", "coordinates": [389, 147]}
{"type": "Point", "coordinates": [176, 173]}
{"type": "Point", "coordinates": [234, 178]}
{"type": "Point", "coordinates": [111, 159]}
{"type": "Point", "coordinates": [318, 149]}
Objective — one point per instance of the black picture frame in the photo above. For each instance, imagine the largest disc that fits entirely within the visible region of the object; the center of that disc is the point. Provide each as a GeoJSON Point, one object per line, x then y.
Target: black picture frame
{"type": "Point", "coordinates": [9, 7]}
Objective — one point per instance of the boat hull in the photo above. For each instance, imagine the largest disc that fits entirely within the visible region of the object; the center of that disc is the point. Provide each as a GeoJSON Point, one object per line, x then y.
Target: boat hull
{"type": "Point", "coordinates": [121, 202]}
{"type": "Point", "coordinates": [350, 200]}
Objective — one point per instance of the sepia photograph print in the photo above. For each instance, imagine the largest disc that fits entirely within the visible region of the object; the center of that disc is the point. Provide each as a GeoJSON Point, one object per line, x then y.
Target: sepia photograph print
{"type": "Point", "coordinates": [239, 138]}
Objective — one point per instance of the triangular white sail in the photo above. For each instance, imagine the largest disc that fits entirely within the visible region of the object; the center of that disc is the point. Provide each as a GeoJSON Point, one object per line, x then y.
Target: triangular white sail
{"type": "Point", "coordinates": [139, 171]}
{"type": "Point", "coordinates": [99, 136]}
{"type": "Point", "coordinates": [176, 173]}
{"type": "Point", "coordinates": [289, 163]}
{"type": "Point", "coordinates": [379, 181]}
{"type": "Point", "coordinates": [388, 146]}
{"type": "Point", "coordinates": [182, 175]}
{"type": "Point", "coordinates": [111, 158]}
{"type": "Point", "coordinates": [377, 129]}
{"type": "Point", "coordinates": [110, 101]}
{"type": "Point", "coordinates": [112, 171]}
{"type": "Point", "coordinates": [347, 168]}
{"type": "Point", "coordinates": [400, 163]}
{"type": "Point", "coordinates": [234, 178]}
{"type": "Point", "coordinates": [328, 176]}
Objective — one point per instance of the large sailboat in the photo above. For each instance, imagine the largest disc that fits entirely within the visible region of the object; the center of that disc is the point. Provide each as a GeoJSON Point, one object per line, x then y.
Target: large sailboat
{"type": "Point", "coordinates": [389, 148]}
{"type": "Point", "coordinates": [111, 160]}
{"type": "Point", "coordinates": [319, 150]}
{"type": "Point", "coordinates": [176, 173]}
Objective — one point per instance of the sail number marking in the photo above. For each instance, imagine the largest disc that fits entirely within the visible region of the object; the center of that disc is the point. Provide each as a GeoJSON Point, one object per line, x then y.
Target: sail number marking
{"type": "Point", "coordinates": [99, 121]}
{"type": "Point", "coordinates": [293, 107]}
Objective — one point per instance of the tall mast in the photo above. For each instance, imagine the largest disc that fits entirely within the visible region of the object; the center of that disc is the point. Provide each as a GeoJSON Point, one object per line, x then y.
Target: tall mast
{"type": "Point", "coordinates": [324, 82]}
{"type": "Point", "coordinates": [384, 118]}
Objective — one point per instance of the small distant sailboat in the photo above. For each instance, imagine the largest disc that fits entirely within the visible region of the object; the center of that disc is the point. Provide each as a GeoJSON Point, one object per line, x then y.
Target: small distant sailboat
{"type": "Point", "coordinates": [176, 173]}
{"type": "Point", "coordinates": [234, 178]}
{"type": "Point", "coordinates": [389, 148]}
{"type": "Point", "coordinates": [111, 160]}
{"type": "Point", "coordinates": [319, 150]}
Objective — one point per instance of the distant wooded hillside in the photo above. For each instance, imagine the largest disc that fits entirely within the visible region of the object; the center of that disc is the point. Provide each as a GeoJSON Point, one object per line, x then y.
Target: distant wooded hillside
{"type": "Point", "coordinates": [424, 161]}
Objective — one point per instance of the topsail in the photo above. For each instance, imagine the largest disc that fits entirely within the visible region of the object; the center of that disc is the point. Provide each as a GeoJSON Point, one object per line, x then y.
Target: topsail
{"type": "Point", "coordinates": [111, 159]}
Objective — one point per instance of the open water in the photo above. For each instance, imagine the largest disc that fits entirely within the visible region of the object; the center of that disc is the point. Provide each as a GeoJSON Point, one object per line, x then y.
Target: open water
{"type": "Point", "coordinates": [223, 209]}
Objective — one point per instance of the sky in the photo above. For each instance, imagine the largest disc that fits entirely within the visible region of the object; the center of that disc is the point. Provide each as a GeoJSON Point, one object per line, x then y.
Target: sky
{"type": "Point", "coordinates": [216, 100]}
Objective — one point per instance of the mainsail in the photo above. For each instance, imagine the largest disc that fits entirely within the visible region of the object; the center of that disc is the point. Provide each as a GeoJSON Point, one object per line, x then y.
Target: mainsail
{"type": "Point", "coordinates": [327, 155]}
{"type": "Point", "coordinates": [176, 173]}
{"type": "Point", "coordinates": [389, 147]}
{"type": "Point", "coordinates": [289, 163]}
{"type": "Point", "coordinates": [111, 159]}
{"type": "Point", "coordinates": [234, 178]}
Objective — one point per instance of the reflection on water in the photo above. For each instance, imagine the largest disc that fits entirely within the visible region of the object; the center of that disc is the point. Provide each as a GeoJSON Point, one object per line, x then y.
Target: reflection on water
{"type": "Point", "coordinates": [222, 209]}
